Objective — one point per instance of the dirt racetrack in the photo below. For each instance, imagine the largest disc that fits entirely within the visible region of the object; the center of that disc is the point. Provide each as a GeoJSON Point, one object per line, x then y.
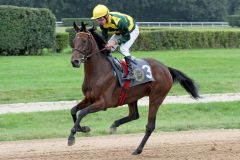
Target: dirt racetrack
{"type": "Point", "coordinates": [205, 145]}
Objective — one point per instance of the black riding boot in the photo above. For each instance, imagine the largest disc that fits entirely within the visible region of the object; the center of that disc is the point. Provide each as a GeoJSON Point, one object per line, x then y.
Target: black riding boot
{"type": "Point", "coordinates": [130, 75]}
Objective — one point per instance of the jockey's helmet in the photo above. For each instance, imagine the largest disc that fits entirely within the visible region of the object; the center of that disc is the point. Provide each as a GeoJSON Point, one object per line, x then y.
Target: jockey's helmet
{"type": "Point", "coordinates": [100, 11]}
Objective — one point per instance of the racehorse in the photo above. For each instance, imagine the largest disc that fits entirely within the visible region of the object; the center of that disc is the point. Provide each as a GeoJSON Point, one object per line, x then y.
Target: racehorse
{"type": "Point", "coordinates": [101, 89]}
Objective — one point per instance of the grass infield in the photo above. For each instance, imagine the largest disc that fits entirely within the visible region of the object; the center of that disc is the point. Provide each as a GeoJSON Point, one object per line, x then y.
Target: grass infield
{"type": "Point", "coordinates": [174, 117]}
{"type": "Point", "coordinates": [52, 78]}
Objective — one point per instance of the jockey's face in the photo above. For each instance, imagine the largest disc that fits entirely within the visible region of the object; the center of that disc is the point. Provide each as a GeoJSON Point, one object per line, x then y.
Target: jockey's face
{"type": "Point", "coordinates": [102, 20]}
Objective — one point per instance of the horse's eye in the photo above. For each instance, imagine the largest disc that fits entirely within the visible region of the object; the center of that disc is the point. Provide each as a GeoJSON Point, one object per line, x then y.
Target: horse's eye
{"type": "Point", "coordinates": [84, 41]}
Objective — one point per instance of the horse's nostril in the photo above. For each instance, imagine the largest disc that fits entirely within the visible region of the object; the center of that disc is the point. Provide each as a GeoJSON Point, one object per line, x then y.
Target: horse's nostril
{"type": "Point", "coordinates": [76, 61]}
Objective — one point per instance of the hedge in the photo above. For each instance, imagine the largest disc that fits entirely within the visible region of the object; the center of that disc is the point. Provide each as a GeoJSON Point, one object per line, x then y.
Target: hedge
{"type": "Point", "coordinates": [181, 39]}
{"type": "Point", "coordinates": [234, 20]}
{"type": "Point", "coordinates": [174, 39]}
{"type": "Point", "coordinates": [61, 42]}
{"type": "Point", "coordinates": [72, 34]}
{"type": "Point", "coordinates": [69, 21]}
{"type": "Point", "coordinates": [25, 30]}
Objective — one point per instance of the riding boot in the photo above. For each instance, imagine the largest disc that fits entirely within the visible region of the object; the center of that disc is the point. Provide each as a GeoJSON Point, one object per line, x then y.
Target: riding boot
{"type": "Point", "coordinates": [130, 75]}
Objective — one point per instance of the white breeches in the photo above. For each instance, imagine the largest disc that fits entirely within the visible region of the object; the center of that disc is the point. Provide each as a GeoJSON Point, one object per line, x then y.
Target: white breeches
{"type": "Point", "coordinates": [124, 48]}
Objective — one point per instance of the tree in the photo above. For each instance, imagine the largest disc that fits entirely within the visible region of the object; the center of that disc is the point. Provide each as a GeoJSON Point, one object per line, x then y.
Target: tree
{"type": "Point", "coordinates": [233, 6]}
{"type": "Point", "coordinates": [141, 10]}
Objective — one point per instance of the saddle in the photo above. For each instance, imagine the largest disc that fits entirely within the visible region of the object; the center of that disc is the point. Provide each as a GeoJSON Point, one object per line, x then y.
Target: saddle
{"type": "Point", "coordinates": [141, 70]}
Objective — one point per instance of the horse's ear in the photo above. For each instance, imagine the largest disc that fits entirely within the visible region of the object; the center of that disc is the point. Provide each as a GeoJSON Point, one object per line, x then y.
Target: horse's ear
{"type": "Point", "coordinates": [77, 29]}
{"type": "Point", "coordinates": [83, 27]}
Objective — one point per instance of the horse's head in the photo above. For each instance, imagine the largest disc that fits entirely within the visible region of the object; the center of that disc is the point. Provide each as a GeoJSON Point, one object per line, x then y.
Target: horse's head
{"type": "Point", "coordinates": [82, 45]}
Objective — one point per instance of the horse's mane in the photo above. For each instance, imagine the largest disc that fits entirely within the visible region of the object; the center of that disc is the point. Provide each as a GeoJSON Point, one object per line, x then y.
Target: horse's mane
{"type": "Point", "coordinates": [100, 42]}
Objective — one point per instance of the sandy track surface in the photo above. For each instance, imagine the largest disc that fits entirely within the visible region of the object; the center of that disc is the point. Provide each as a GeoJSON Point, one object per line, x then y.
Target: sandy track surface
{"type": "Point", "coordinates": [49, 106]}
{"type": "Point", "coordinates": [189, 145]}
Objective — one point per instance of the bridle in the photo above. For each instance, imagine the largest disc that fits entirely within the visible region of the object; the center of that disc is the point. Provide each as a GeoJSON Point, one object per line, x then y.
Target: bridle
{"type": "Point", "coordinates": [83, 56]}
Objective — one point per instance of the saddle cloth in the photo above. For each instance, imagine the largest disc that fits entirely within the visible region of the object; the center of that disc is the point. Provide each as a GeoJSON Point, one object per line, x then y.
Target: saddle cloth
{"type": "Point", "coordinates": [141, 70]}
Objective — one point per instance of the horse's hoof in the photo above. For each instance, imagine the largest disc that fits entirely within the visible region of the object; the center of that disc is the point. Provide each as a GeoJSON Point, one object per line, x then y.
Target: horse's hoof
{"type": "Point", "coordinates": [85, 129]}
{"type": "Point", "coordinates": [71, 140]}
{"type": "Point", "coordinates": [113, 130]}
{"type": "Point", "coordinates": [137, 152]}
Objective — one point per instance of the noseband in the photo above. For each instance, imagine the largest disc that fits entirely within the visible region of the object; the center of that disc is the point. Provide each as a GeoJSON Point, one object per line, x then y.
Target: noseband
{"type": "Point", "coordinates": [84, 56]}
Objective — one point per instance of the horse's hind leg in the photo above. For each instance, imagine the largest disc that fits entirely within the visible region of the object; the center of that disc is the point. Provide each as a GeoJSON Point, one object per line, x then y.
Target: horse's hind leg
{"type": "Point", "coordinates": [153, 108]}
{"type": "Point", "coordinates": [133, 115]}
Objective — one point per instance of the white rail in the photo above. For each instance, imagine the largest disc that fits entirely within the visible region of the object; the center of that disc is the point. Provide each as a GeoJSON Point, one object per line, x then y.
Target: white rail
{"type": "Point", "coordinates": [176, 24]}
{"type": "Point", "coordinates": [183, 24]}
{"type": "Point", "coordinates": [59, 24]}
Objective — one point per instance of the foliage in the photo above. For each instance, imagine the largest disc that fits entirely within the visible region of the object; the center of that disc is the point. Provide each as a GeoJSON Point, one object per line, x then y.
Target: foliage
{"type": "Point", "coordinates": [234, 20]}
{"type": "Point", "coordinates": [141, 10]}
{"type": "Point", "coordinates": [183, 39]}
{"type": "Point", "coordinates": [167, 38]}
{"type": "Point", "coordinates": [233, 6]}
{"type": "Point", "coordinates": [25, 30]}
{"type": "Point", "coordinates": [61, 42]}
{"type": "Point", "coordinates": [72, 34]}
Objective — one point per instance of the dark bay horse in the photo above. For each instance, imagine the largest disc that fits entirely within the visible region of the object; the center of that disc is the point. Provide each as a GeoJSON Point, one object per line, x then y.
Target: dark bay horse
{"type": "Point", "coordinates": [101, 89]}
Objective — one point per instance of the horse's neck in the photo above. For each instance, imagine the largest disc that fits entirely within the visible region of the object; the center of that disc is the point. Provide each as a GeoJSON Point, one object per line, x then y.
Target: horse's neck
{"type": "Point", "coordinates": [96, 66]}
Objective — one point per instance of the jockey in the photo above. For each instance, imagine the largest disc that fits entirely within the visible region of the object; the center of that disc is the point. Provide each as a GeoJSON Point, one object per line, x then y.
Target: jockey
{"type": "Point", "coordinates": [124, 29]}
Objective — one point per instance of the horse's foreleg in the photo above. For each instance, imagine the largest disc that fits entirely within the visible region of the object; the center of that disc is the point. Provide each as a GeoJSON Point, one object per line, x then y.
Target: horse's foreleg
{"type": "Point", "coordinates": [153, 108]}
{"type": "Point", "coordinates": [97, 106]}
{"type": "Point", "coordinates": [133, 115]}
{"type": "Point", "coordinates": [83, 104]}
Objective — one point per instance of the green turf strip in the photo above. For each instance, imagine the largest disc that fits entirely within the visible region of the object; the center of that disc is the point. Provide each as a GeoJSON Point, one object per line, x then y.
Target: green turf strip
{"type": "Point", "coordinates": [174, 117]}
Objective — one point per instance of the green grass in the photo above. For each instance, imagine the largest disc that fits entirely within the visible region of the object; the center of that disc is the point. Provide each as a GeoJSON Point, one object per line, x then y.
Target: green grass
{"type": "Point", "coordinates": [178, 117]}
{"type": "Point", "coordinates": [214, 70]}
{"type": "Point", "coordinates": [52, 78]}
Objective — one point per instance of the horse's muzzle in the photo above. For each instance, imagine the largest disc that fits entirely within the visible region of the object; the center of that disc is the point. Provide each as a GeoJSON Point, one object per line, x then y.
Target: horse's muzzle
{"type": "Point", "coordinates": [76, 63]}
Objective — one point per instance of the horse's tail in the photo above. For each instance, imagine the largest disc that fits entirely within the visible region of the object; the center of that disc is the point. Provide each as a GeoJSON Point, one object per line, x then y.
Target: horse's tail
{"type": "Point", "coordinates": [186, 82]}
